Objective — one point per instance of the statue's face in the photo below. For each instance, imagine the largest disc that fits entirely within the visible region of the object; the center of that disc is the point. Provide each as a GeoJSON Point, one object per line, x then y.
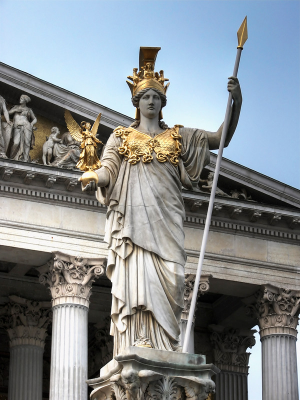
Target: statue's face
{"type": "Point", "coordinates": [150, 104]}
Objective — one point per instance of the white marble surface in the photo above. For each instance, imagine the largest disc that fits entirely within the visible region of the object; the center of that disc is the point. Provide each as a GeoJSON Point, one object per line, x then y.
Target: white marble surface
{"type": "Point", "coordinates": [69, 360]}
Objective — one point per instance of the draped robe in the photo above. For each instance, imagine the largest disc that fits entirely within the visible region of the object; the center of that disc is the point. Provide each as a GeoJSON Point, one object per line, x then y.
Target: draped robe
{"type": "Point", "coordinates": [144, 232]}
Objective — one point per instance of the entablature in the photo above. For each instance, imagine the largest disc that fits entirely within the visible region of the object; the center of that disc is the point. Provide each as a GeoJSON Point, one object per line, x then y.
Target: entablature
{"type": "Point", "coordinates": [57, 186]}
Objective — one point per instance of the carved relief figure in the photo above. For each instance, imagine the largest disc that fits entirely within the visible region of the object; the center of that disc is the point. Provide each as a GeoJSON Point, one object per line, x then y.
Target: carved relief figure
{"type": "Point", "coordinates": [144, 167]}
{"type": "Point", "coordinates": [5, 129]}
{"type": "Point", "coordinates": [23, 127]}
{"type": "Point", "coordinates": [66, 153]}
{"type": "Point", "coordinates": [49, 145]}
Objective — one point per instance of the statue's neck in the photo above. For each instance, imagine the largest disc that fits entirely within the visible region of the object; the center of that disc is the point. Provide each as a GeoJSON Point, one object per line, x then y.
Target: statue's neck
{"type": "Point", "coordinates": [149, 126]}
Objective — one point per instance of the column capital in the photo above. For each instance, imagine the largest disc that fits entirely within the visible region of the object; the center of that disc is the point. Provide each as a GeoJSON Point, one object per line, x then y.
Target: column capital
{"type": "Point", "coordinates": [70, 278]}
{"type": "Point", "coordinates": [230, 348]}
{"type": "Point", "coordinates": [189, 282]}
{"type": "Point", "coordinates": [277, 310]}
{"type": "Point", "coordinates": [26, 321]}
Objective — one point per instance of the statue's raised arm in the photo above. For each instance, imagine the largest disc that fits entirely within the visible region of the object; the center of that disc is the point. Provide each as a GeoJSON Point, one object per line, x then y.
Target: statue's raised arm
{"type": "Point", "coordinates": [215, 137]}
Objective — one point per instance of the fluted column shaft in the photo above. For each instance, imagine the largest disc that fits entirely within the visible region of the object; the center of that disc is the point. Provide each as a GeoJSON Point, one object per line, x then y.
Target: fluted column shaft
{"type": "Point", "coordinates": [230, 356]}
{"type": "Point", "coordinates": [279, 367]}
{"type": "Point", "coordinates": [25, 373]}
{"type": "Point", "coordinates": [70, 281]}
{"type": "Point", "coordinates": [231, 386]}
{"type": "Point", "coordinates": [277, 311]}
{"type": "Point", "coordinates": [26, 322]}
{"type": "Point", "coordinates": [69, 361]}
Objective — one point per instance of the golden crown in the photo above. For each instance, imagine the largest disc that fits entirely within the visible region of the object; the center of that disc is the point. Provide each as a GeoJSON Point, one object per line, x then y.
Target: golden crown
{"type": "Point", "coordinates": [146, 78]}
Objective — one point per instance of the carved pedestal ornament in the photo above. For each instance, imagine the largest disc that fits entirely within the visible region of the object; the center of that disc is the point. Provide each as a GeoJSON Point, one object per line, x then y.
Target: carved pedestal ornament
{"type": "Point", "coordinates": [277, 310]}
{"type": "Point", "coordinates": [229, 347]}
{"type": "Point", "coordinates": [70, 278]}
{"type": "Point", "coordinates": [26, 321]}
{"type": "Point", "coordinates": [147, 374]}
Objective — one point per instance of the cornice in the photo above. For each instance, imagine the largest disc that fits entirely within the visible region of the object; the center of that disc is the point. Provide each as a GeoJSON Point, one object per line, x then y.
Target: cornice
{"type": "Point", "coordinates": [257, 181]}
{"type": "Point", "coordinates": [61, 97]}
{"type": "Point", "coordinates": [243, 262]}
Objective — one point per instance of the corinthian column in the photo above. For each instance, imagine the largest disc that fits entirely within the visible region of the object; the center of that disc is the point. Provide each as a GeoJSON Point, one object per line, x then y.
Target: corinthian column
{"type": "Point", "coordinates": [70, 281]}
{"type": "Point", "coordinates": [26, 322]}
{"type": "Point", "coordinates": [277, 312]}
{"type": "Point", "coordinates": [230, 356]}
{"type": "Point", "coordinates": [189, 282]}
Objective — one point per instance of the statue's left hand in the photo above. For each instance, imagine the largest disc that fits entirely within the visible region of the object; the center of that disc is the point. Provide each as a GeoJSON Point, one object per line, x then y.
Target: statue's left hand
{"type": "Point", "coordinates": [233, 86]}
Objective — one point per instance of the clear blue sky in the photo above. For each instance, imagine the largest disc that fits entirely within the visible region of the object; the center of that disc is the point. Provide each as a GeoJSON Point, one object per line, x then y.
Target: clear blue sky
{"type": "Point", "coordinates": [89, 47]}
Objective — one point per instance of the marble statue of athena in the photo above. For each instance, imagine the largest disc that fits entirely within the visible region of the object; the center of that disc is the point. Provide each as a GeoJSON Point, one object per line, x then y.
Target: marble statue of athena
{"type": "Point", "coordinates": [143, 170]}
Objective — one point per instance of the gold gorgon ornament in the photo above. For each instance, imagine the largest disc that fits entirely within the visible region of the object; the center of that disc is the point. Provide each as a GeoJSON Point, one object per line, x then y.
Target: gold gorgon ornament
{"type": "Point", "coordinates": [136, 145]}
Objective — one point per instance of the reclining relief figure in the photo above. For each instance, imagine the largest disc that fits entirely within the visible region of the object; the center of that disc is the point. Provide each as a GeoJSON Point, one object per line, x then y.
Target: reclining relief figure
{"type": "Point", "coordinates": [144, 167]}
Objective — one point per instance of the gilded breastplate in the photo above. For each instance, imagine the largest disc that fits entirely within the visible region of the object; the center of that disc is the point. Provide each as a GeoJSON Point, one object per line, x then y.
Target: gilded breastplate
{"type": "Point", "coordinates": [137, 145]}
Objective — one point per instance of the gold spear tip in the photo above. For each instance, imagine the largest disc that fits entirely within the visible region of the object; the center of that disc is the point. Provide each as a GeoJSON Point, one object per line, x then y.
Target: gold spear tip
{"type": "Point", "coordinates": [242, 34]}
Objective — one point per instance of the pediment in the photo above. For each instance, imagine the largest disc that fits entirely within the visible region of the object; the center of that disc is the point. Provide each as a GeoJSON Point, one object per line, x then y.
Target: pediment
{"type": "Point", "coordinates": [242, 191]}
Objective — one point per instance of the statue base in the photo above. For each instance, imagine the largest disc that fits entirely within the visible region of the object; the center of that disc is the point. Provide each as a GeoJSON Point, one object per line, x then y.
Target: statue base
{"type": "Point", "coordinates": [140, 373]}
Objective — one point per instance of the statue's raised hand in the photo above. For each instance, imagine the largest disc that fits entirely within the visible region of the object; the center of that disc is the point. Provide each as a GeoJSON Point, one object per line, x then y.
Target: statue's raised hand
{"type": "Point", "coordinates": [233, 86]}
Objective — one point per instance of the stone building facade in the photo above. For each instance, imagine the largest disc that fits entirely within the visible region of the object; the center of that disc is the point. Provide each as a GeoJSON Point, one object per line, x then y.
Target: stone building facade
{"type": "Point", "coordinates": [55, 298]}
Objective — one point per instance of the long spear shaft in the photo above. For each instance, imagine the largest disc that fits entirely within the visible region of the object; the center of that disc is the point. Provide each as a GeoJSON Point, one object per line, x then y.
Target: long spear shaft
{"type": "Point", "coordinates": [242, 37]}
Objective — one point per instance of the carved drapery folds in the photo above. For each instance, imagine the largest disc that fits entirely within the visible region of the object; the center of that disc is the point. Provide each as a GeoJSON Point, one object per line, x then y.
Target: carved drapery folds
{"type": "Point", "coordinates": [26, 321]}
{"type": "Point", "coordinates": [229, 347]}
{"type": "Point", "coordinates": [277, 310]}
{"type": "Point", "coordinates": [70, 278]}
{"type": "Point", "coordinates": [189, 282]}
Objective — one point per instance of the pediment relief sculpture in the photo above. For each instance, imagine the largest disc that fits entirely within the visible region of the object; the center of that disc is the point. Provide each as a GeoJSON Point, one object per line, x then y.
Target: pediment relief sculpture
{"type": "Point", "coordinates": [17, 136]}
{"type": "Point", "coordinates": [236, 193]}
{"type": "Point", "coordinates": [61, 151]}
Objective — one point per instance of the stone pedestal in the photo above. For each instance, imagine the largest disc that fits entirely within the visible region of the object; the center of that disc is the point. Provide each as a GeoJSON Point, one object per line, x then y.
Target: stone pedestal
{"type": "Point", "coordinates": [277, 311]}
{"type": "Point", "coordinates": [230, 356]}
{"type": "Point", "coordinates": [146, 374]}
{"type": "Point", "coordinates": [27, 323]}
{"type": "Point", "coordinates": [189, 283]}
{"type": "Point", "coordinates": [70, 281]}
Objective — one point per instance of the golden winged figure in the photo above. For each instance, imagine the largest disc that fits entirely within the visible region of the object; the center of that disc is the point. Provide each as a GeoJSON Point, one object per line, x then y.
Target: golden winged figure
{"type": "Point", "coordinates": [88, 160]}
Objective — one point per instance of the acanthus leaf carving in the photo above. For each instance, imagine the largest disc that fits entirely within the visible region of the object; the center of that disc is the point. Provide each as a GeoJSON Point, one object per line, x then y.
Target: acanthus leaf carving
{"type": "Point", "coordinates": [276, 309]}
{"type": "Point", "coordinates": [189, 282]}
{"type": "Point", "coordinates": [26, 321]}
{"type": "Point", "coordinates": [71, 276]}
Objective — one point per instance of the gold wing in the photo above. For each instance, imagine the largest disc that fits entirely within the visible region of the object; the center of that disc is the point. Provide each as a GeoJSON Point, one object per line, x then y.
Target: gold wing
{"type": "Point", "coordinates": [73, 127]}
{"type": "Point", "coordinates": [96, 125]}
